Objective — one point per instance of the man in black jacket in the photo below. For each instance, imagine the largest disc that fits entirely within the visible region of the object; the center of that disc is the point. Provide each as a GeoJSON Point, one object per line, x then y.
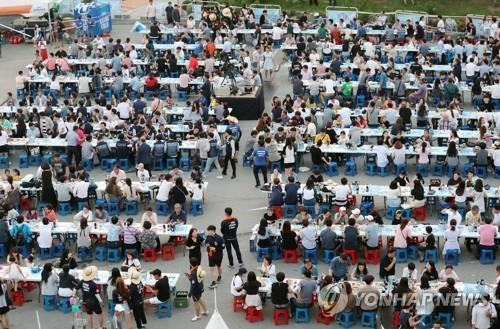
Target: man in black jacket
{"type": "Point", "coordinates": [229, 228]}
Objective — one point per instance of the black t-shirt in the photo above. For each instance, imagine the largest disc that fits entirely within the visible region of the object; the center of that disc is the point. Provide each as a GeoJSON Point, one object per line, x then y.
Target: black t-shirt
{"type": "Point", "coordinates": [405, 114]}
{"type": "Point", "coordinates": [279, 293]}
{"type": "Point", "coordinates": [291, 193]}
{"type": "Point", "coordinates": [401, 181]}
{"type": "Point", "coordinates": [385, 262]}
{"type": "Point", "coordinates": [418, 193]}
{"type": "Point", "coordinates": [316, 155]}
{"type": "Point", "coordinates": [288, 240]}
{"type": "Point", "coordinates": [252, 288]}
{"type": "Point", "coordinates": [453, 182]}
{"type": "Point", "coordinates": [163, 289]}
{"type": "Point", "coordinates": [89, 289]}
{"type": "Point", "coordinates": [216, 242]}
{"type": "Point", "coordinates": [270, 218]}
{"type": "Point", "coordinates": [59, 167]}
{"type": "Point", "coordinates": [430, 242]}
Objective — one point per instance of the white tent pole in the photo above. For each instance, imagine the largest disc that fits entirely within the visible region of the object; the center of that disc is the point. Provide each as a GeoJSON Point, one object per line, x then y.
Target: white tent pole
{"type": "Point", "coordinates": [50, 22]}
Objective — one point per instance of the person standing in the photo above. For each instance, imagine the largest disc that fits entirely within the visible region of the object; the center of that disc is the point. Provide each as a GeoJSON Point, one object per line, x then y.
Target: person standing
{"type": "Point", "coordinates": [91, 298]}
{"type": "Point", "coordinates": [229, 228]}
{"type": "Point", "coordinates": [144, 155]}
{"type": "Point", "coordinates": [151, 12]}
{"type": "Point", "coordinates": [73, 139]}
{"type": "Point", "coordinates": [213, 156]}
{"type": "Point", "coordinates": [215, 250]}
{"type": "Point", "coordinates": [195, 276]}
{"type": "Point", "coordinates": [260, 158]}
{"type": "Point", "coordinates": [230, 153]}
{"type": "Point", "coordinates": [136, 289]}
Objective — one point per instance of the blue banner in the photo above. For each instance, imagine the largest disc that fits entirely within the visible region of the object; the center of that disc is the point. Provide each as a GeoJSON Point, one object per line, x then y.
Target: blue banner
{"type": "Point", "coordinates": [93, 18]}
{"type": "Point", "coordinates": [337, 15]}
{"type": "Point", "coordinates": [273, 13]}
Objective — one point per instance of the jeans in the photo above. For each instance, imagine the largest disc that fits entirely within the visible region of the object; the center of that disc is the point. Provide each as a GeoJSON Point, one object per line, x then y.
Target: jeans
{"type": "Point", "coordinates": [214, 160]}
{"type": "Point", "coordinates": [256, 169]}
{"type": "Point", "coordinates": [483, 247]}
{"type": "Point", "coordinates": [234, 243]}
{"type": "Point", "coordinates": [76, 152]}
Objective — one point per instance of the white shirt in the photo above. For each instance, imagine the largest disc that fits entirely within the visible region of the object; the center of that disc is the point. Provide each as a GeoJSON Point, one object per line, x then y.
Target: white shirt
{"type": "Point", "coordinates": [456, 216]}
{"type": "Point", "coordinates": [119, 176]}
{"type": "Point", "coordinates": [277, 33]}
{"type": "Point", "coordinates": [123, 110]}
{"type": "Point", "coordinates": [411, 276]}
{"type": "Point", "coordinates": [45, 238]}
{"type": "Point", "coordinates": [470, 69]}
{"type": "Point", "coordinates": [311, 129]}
{"type": "Point", "coordinates": [382, 152]}
{"type": "Point", "coordinates": [153, 219]}
{"type": "Point", "coordinates": [399, 155]}
{"type": "Point", "coordinates": [81, 189]}
{"type": "Point", "coordinates": [440, 26]}
{"type": "Point", "coordinates": [3, 138]}
{"type": "Point", "coordinates": [236, 282]}
{"type": "Point", "coordinates": [271, 270]}
{"type": "Point", "coordinates": [495, 92]}
{"type": "Point", "coordinates": [164, 190]}
{"type": "Point", "coordinates": [80, 214]}
{"type": "Point", "coordinates": [480, 320]}
{"type": "Point", "coordinates": [341, 192]}
{"type": "Point", "coordinates": [345, 114]}
{"type": "Point", "coordinates": [307, 194]}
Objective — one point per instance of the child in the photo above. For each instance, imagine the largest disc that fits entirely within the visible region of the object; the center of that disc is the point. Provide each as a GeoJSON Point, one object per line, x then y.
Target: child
{"type": "Point", "coordinates": [15, 273]}
{"type": "Point", "coordinates": [16, 174]}
{"type": "Point", "coordinates": [118, 317]}
{"type": "Point", "coordinates": [30, 262]}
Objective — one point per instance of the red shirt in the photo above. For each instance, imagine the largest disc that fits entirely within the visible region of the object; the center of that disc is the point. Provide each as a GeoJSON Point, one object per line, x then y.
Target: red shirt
{"type": "Point", "coordinates": [193, 63]}
{"type": "Point", "coordinates": [151, 82]}
{"type": "Point", "coordinates": [336, 35]}
{"type": "Point", "coordinates": [211, 48]}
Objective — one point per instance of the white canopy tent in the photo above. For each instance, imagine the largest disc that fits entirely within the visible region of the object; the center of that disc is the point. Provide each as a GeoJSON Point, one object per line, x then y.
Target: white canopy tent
{"type": "Point", "coordinates": [27, 8]}
{"type": "Point", "coordinates": [216, 321]}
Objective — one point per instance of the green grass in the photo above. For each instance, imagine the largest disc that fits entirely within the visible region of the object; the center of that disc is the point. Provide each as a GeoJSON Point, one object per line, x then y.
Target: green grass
{"type": "Point", "coordinates": [433, 7]}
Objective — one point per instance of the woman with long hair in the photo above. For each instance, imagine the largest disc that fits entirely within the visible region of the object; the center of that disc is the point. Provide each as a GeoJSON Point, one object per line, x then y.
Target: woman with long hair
{"type": "Point", "coordinates": [451, 237]}
{"type": "Point", "coordinates": [50, 280]}
{"type": "Point", "coordinates": [478, 196]}
{"type": "Point", "coordinates": [83, 234]}
{"type": "Point", "coordinates": [130, 190]}
{"type": "Point", "coordinates": [68, 259]}
{"type": "Point", "coordinates": [461, 196]}
{"type": "Point", "coordinates": [195, 275]}
{"type": "Point", "coordinates": [289, 153]}
{"type": "Point", "coordinates": [263, 234]}
{"type": "Point", "coordinates": [113, 191]}
{"type": "Point", "coordinates": [67, 282]}
{"type": "Point", "coordinates": [48, 194]}
{"type": "Point", "coordinates": [193, 244]}
{"type": "Point", "coordinates": [115, 274]}
{"type": "Point", "coordinates": [121, 296]}
{"type": "Point", "coordinates": [403, 233]}
{"type": "Point", "coordinates": [288, 237]}
{"type": "Point", "coordinates": [430, 271]}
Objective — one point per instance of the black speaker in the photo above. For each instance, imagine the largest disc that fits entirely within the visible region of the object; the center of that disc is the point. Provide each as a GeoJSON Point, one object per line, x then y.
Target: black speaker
{"type": "Point", "coordinates": [30, 31]}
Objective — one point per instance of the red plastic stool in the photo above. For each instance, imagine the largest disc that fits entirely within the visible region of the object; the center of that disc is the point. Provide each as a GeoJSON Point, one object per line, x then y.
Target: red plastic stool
{"type": "Point", "coordinates": [290, 256]}
{"type": "Point", "coordinates": [278, 211]}
{"type": "Point", "coordinates": [419, 214]}
{"type": "Point", "coordinates": [178, 240]}
{"type": "Point", "coordinates": [321, 318]}
{"type": "Point", "coordinates": [352, 254]}
{"type": "Point", "coordinates": [352, 200]}
{"type": "Point", "coordinates": [254, 315]}
{"type": "Point", "coordinates": [372, 256]}
{"type": "Point", "coordinates": [167, 252]}
{"type": "Point", "coordinates": [396, 322]}
{"type": "Point", "coordinates": [149, 255]}
{"type": "Point", "coordinates": [280, 316]}
{"type": "Point", "coordinates": [17, 298]}
{"type": "Point", "coordinates": [238, 303]}
{"type": "Point", "coordinates": [28, 286]}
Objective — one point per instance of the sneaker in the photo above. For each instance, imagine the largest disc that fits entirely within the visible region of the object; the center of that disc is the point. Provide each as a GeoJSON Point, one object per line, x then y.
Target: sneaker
{"type": "Point", "coordinates": [241, 265]}
{"type": "Point", "coordinates": [257, 185]}
{"type": "Point", "coordinates": [220, 177]}
{"type": "Point", "coordinates": [204, 313]}
{"type": "Point", "coordinates": [219, 278]}
{"type": "Point", "coordinates": [230, 266]}
{"type": "Point", "coordinates": [233, 177]}
{"type": "Point", "coordinates": [196, 318]}
{"type": "Point", "coordinates": [213, 285]}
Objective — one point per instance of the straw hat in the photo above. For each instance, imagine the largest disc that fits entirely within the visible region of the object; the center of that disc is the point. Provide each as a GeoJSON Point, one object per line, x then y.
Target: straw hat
{"type": "Point", "coordinates": [134, 275]}
{"type": "Point", "coordinates": [89, 273]}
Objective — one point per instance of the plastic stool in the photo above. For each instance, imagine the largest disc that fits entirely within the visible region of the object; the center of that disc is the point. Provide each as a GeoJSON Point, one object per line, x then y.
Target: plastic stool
{"type": "Point", "coordinates": [352, 254]}
{"type": "Point", "coordinates": [253, 315]}
{"type": "Point", "coordinates": [101, 253]}
{"type": "Point", "coordinates": [185, 164]}
{"type": "Point", "coordinates": [131, 207]}
{"type": "Point", "coordinates": [183, 96]}
{"type": "Point", "coordinates": [425, 321]}
{"type": "Point", "coordinates": [238, 302]}
{"type": "Point", "coordinates": [25, 251]}
{"type": "Point", "coordinates": [158, 164]}
{"type": "Point", "coordinates": [351, 168]}
{"type": "Point", "coordinates": [114, 208]}
{"type": "Point", "coordinates": [164, 310]}
{"type": "Point", "coordinates": [162, 208]}
{"type": "Point", "coordinates": [366, 208]}
{"type": "Point", "coordinates": [34, 159]}
{"type": "Point", "coordinates": [431, 255]}
{"type": "Point", "coordinates": [401, 255]}
{"type": "Point", "coordinates": [368, 319]}
{"type": "Point", "coordinates": [370, 169]}
{"type": "Point", "coordinates": [276, 252]}
{"type": "Point", "coordinates": [438, 169]}
{"type": "Point", "coordinates": [420, 214]}
{"type": "Point", "coordinates": [17, 298]}
{"type": "Point", "coordinates": [262, 252]}
{"type": "Point", "coordinates": [372, 256]}
{"type": "Point", "coordinates": [64, 208]}
{"type": "Point", "coordinates": [390, 212]}
{"type": "Point", "coordinates": [81, 204]}
{"type": "Point", "coordinates": [290, 256]}
{"type": "Point", "coordinates": [407, 212]}
{"type": "Point", "coordinates": [88, 165]}
{"type": "Point", "coordinates": [312, 255]}
{"type": "Point", "coordinates": [496, 172]}
{"type": "Point", "coordinates": [167, 252]}
{"type": "Point", "coordinates": [171, 162]}
{"type": "Point", "coordinates": [64, 304]}
{"type": "Point", "coordinates": [486, 256]}
{"type": "Point", "coordinates": [23, 161]}
{"type": "Point", "coordinates": [451, 257]}
{"type": "Point", "coordinates": [482, 171]}
{"type": "Point", "coordinates": [333, 169]}
{"type": "Point", "coordinates": [445, 319]}
{"type": "Point", "coordinates": [84, 253]}
{"type": "Point", "coordinates": [382, 171]}
{"type": "Point", "coordinates": [280, 316]}
{"type": "Point", "coordinates": [412, 251]}
{"type": "Point", "coordinates": [196, 207]}
{"type": "Point", "coordinates": [327, 255]}
{"type": "Point", "coordinates": [149, 255]}
{"type": "Point", "coordinates": [302, 315]}
{"type": "Point", "coordinates": [321, 318]}
{"type": "Point", "coordinates": [290, 211]}
{"type": "Point", "coordinates": [57, 249]}
{"type": "Point", "coordinates": [346, 319]}
{"type": "Point", "coordinates": [246, 161]}
{"type": "Point", "coordinates": [49, 302]}
{"type": "Point", "coordinates": [467, 166]}
{"type": "Point", "coordinates": [124, 164]}
{"type": "Point", "coordinates": [4, 162]}
{"type": "Point", "coordinates": [114, 255]}
{"type": "Point", "coordinates": [423, 169]}
{"type": "Point", "coordinates": [45, 253]}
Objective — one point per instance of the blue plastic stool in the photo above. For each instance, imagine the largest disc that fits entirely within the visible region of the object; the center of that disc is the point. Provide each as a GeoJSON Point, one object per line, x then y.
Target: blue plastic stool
{"type": "Point", "coordinates": [185, 164]}
{"type": "Point", "coordinates": [407, 212]}
{"type": "Point", "coordinates": [328, 255]}
{"type": "Point", "coordinates": [183, 96]}
{"type": "Point", "coordinates": [111, 307]}
{"type": "Point", "coordinates": [34, 159]}
{"type": "Point", "coordinates": [84, 253]}
{"type": "Point", "coordinates": [64, 208]}
{"type": "Point", "coordinates": [171, 162]}
{"type": "Point", "coordinates": [382, 171]}
{"type": "Point", "coordinates": [158, 164]}
{"type": "Point", "coordinates": [246, 161]}
{"type": "Point", "coordinates": [351, 168]}
{"type": "Point", "coordinates": [390, 212]}
{"type": "Point", "coordinates": [23, 161]}
{"type": "Point", "coordinates": [162, 208]}
{"type": "Point", "coordinates": [312, 255]}
{"type": "Point", "coordinates": [412, 251]}
{"type": "Point", "coordinates": [324, 206]}
{"type": "Point", "coordinates": [401, 255]}
{"type": "Point", "coordinates": [3, 250]}
{"type": "Point", "coordinates": [101, 253]}
{"type": "Point", "coordinates": [124, 164]}
{"type": "Point", "coordinates": [196, 207]}
{"type": "Point", "coordinates": [114, 208]}
{"type": "Point", "coordinates": [276, 165]}
{"type": "Point", "coordinates": [333, 169]}
{"type": "Point", "coordinates": [302, 315]}
{"type": "Point", "coordinates": [467, 167]}
{"type": "Point", "coordinates": [263, 252]}
{"type": "Point", "coordinates": [369, 319]}
{"type": "Point", "coordinates": [131, 207]}
{"type": "Point", "coordinates": [425, 321]}
{"type": "Point", "coordinates": [451, 170]}
{"type": "Point", "coordinates": [346, 319]}
{"type": "Point", "coordinates": [114, 255]}
{"type": "Point", "coordinates": [57, 249]}
{"type": "Point", "coordinates": [64, 304]}
{"type": "Point", "coordinates": [164, 310]}
{"type": "Point", "coordinates": [101, 203]}
{"type": "Point", "coordinates": [431, 255]}
{"type": "Point", "coordinates": [88, 164]}
{"type": "Point", "coordinates": [366, 208]}
{"type": "Point", "coordinates": [399, 169]}
{"type": "Point", "coordinates": [290, 211]}
{"type": "Point", "coordinates": [49, 302]}
{"type": "Point", "coordinates": [45, 253]}
{"type": "Point", "coordinates": [4, 162]}
{"type": "Point", "coordinates": [445, 319]}
{"type": "Point", "coordinates": [486, 257]}
{"type": "Point", "coordinates": [438, 169]}
{"type": "Point", "coordinates": [451, 257]}
{"type": "Point", "coordinates": [276, 252]}
{"type": "Point", "coordinates": [370, 169]}
{"type": "Point", "coordinates": [81, 204]}
{"type": "Point", "coordinates": [423, 169]}
{"type": "Point", "coordinates": [482, 171]}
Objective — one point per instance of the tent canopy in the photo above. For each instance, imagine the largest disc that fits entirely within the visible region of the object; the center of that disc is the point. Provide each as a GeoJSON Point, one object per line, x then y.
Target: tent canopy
{"type": "Point", "coordinates": [26, 7]}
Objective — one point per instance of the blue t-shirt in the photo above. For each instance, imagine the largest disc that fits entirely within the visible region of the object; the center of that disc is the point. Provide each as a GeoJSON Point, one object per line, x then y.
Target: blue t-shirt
{"type": "Point", "coordinates": [383, 80]}
{"type": "Point", "coordinates": [260, 156]}
{"type": "Point", "coordinates": [339, 269]}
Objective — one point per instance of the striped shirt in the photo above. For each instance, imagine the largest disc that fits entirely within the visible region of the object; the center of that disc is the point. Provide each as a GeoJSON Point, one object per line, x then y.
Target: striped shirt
{"type": "Point", "coordinates": [129, 234]}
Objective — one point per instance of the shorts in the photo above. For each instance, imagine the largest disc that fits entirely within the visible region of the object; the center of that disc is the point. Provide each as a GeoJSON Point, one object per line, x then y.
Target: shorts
{"type": "Point", "coordinates": [93, 307]}
{"type": "Point", "coordinates": [289, 165]}
{"type": "Point", "coordinates": [215, 261]}
{"type": "Point", "coordinates": [155, 301]}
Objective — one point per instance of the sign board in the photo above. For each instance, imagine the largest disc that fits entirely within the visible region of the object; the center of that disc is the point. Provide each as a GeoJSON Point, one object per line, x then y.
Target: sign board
{"type": "Point", "coordinates": [477, 20]}
{"type": "Point", "coordinates": [196, 6]}
{"type": "Point", "coordinates": [338, 13]}
{"type": "Point", "coordinates": [94, 18]}
{"type": "Point", "coordinates": [413, 16]}
{"type": "Point", "coordinates": [273, 12]}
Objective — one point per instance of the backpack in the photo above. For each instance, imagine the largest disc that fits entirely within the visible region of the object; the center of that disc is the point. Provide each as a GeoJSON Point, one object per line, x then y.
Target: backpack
{"type": "Point", "coordinates": [19, 237]}
{"type": "Point", "coordinates": [213, 151]}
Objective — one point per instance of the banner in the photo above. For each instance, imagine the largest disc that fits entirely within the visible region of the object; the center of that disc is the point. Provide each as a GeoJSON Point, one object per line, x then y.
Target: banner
{"type": "Point", "coordinates": [92, 18]}
{"type": "Point", "coordinates": [338, 13]}
{"type": "Point", "coordinates": [413, 16]}
{"type": "Point", "coordinates": [273, 12]}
